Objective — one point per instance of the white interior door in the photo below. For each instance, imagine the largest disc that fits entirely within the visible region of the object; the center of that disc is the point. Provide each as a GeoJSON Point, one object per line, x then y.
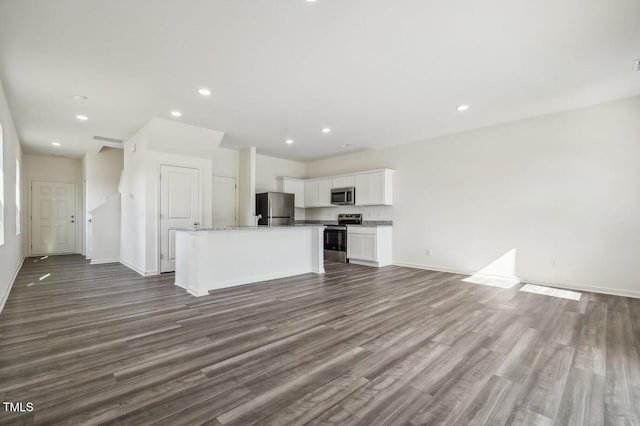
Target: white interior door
{"type": "Point", "coordinates": [224, 201]}
{"type": "Point", "coordinates": [179, 208]}
{"type": "Point", "coordinates": [53, 218]}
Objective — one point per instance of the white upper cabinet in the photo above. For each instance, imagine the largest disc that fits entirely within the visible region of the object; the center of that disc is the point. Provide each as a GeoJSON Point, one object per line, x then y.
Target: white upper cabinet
{"type": "Point", "coordinates": [318, 193]}
{"type": "Point", "coordinates": [311, 193]}
{"type": "Point", "coordinates": [324, 193]}
{"type": "Point", "coordinates": [296, 187]}
{"type": "Point", "coordinates": [374, 188]}
{"type": "Point", "coordinates": [343, 182]}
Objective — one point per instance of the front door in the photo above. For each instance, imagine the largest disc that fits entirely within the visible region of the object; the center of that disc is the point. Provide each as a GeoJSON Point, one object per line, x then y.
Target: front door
{"type": "Point", "coordinates": [179, 208]}
{"type": "Point", "coordinates": [53, 218]}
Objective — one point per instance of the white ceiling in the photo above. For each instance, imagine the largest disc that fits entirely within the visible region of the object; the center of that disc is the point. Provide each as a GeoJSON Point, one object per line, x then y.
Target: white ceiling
{"type": "Point", "coordinates": [378, 72]}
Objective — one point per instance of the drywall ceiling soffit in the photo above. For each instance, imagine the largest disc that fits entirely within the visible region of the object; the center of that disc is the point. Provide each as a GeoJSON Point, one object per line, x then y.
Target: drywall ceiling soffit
{"type": "Point", "coordinates": [178, 138]}
{"type": "Point", "coordinates": [376, 72]}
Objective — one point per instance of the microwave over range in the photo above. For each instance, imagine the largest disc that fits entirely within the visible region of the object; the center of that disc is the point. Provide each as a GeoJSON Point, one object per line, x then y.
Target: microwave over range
{"type": "Point", "coordinates": [343, 196]}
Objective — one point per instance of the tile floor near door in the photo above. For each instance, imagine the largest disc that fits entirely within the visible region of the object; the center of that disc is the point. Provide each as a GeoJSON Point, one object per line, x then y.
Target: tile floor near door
{"type": "Point", "coordinates": [358, 345]}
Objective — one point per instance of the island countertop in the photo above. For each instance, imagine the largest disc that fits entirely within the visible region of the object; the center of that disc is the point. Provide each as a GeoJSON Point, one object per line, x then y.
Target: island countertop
{"type": "Point", "coordinates": [248, 228]}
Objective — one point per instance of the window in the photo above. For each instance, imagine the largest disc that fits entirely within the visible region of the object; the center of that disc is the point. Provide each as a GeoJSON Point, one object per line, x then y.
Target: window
{"type": "Point", "coordinates": [1, 188]}
{"type": "Point", "coordinates": [17, 197]}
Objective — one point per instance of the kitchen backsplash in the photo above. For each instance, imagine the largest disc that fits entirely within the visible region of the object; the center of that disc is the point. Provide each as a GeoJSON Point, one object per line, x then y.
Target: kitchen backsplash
{"type": "Point", "coordinates": [331, 213]}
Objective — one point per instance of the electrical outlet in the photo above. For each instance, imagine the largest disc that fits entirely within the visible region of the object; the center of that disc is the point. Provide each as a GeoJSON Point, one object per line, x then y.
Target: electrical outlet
{"type": "Point", "coordinates": [428, 252]}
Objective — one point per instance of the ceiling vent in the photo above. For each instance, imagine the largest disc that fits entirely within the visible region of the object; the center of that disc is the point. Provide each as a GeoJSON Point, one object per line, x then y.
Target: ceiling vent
{"type": "Point", "coordinates": [636, 65]}
{"type": "Point", "coordinates": [106, 139]}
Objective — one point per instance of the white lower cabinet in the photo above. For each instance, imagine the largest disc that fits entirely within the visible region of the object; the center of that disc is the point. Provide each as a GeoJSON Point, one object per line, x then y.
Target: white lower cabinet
{"type": "Point", "coordinates": [361, 247]}
{"type": "Point", "coordinates": [369, 245]}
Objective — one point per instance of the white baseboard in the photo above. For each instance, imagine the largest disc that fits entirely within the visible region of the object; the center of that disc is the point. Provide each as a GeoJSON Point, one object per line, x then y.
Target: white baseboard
{"type": "Point", "coordinates": [591, 289]}
{"type": "Point", "coordinates": [132, 267]}
{"type": "Point", "coordinates": [101, 261]}
{"type": "Point", "coordinates": [434, 268]}
{"type": "Point", "coordinates": [260, 277]}
{"type": "Point", "coordinates": [12, 281]}
{"type": "Point", "coordinates": [364, 263]}
{"type": "Point", "coordinates": [205, 289]}
{"type": "Point", "coordinates": [602, 290]}
{"type": "Point", "coordinates": [192, 291]}
{"type": "Point", "coordinates": [136, 269]}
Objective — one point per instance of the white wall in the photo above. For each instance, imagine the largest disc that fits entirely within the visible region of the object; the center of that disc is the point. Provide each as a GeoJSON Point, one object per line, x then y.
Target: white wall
{"type": "Point", "coordinates": [152, 201]}
{"type": "Point", "coordinates": [105, 229]}
{"type": "Point", "coordinates": [173, 137]}
{"type": "Point", "coordinates": [368, 212]}
{"type": "Point", "coordinates": [226, 162]}
{"type": "Point", "coordinates": [247, 187]}
{"type": "Point", "coordinates": [101, 174]}
{"type": "Point", "coordinates": [86, 241]}
{"type": "Point", "coordinates": [268, 169]}
{"type": "Point", "coordinates": [11, 252]}
{"type": "Point", "coordinates": [49, 168]}
{"type": "Point", "coordinates": [562, 189]}
{"type": "Point", "coordinates": [52, 168]}
{"type": "Point", "coordinates": [132, 219]}
{"type": "Point", "coordinates": [141, 187]}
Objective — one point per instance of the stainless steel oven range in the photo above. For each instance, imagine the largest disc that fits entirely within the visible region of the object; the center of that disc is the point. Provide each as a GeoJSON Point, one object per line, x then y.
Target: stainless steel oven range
{"type": "Point", "coordinates": [335, 237]}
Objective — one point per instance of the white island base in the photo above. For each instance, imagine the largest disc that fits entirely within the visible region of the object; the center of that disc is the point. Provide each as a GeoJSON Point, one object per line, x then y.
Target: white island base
{"type": "Point", "coordinates": [226, 257]}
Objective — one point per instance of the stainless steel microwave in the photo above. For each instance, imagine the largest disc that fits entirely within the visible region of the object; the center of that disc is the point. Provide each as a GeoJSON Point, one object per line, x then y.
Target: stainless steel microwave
{"type": "Point", "coordinates": [343, 196]}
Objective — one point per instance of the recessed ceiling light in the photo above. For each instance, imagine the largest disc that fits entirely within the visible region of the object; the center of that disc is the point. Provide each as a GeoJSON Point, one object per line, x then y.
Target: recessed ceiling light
{"type": "Point", "coordinates": [82, 117]}
{"type": "Point", "coordinates": [311, 1]}
{"type": "Point", "coordinates": [55, 143]}
{"type": "Point", "coordinates": [79, 98]}
{"type": "Point", "coordinates": [347, 145]}
{"type": "Point", "coordinates": [326, 130]}
{"type": "Point", "coordinates": [176, 113]}
{"type": "Point", "coordinates": [289, 141]}
{"type": "Point", "coordinates": [204, 92]}
{"type": "Point", "coordinates": [462, 108]}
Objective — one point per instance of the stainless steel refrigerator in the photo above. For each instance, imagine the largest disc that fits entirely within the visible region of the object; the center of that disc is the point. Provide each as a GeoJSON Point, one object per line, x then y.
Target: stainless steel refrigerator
{"type": "Point", "coordinates": [275, 208]}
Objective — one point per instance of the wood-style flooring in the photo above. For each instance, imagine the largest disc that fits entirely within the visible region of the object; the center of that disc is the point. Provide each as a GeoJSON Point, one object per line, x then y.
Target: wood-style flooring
{"type": "Point", "coordinates": [99, 344]}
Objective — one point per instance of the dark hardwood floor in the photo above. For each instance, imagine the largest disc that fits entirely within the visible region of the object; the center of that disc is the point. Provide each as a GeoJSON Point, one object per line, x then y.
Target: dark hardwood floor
{"type": "Point", "coordinates": [102, 345]}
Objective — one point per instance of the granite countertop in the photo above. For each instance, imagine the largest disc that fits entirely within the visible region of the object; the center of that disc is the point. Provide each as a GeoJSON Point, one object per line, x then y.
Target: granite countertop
{"type": "Point", "coordinates": [247, 228]}
{"type": "Point", "coordinates": [306, 223]}
{"type": "Point", "coordinates": [369, 223]}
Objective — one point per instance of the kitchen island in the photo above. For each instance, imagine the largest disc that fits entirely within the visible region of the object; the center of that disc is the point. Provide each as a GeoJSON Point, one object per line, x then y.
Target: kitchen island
{"type": "Point", "coordinates": [208, 259]}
